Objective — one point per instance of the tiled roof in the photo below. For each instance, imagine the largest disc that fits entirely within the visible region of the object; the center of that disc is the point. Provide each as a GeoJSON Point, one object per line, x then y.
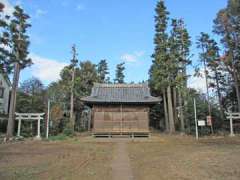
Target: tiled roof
{"type": "Point", "coordinates": [121, 93]}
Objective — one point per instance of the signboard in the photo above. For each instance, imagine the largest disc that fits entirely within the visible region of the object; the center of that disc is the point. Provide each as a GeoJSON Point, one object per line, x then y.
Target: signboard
{"type": "Point", "coordinates": [209, 120]}
{"type": "Point", "coordinates": [201, 123]}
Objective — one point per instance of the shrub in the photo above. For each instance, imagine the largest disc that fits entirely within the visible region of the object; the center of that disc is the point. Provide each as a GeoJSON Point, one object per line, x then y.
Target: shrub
{"type": "Point", "coordinates": [59, 137]}
{"type": "Point", "coordinates": [68, 130]}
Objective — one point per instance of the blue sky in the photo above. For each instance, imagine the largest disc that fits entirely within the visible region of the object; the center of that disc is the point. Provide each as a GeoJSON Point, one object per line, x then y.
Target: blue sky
{"type": "Point", "coordinates": [116, 30]}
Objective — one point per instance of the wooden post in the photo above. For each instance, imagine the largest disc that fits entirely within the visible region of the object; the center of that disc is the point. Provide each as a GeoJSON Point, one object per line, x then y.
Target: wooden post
{"type": "Point", "coordinates": [89, 120]}
{"type": "Point", "coordinates": [38, 129]}
{"type": "Point", "coordinates": [121, 119]}
{"type": "Point", "coordinates": [195, 115]}
{"type": "Point", "coordinates": [48, 118]}
{"type": "Point", "coordinates": [31, 127]}
{"type": "Point", "coordinates": [19, 127]}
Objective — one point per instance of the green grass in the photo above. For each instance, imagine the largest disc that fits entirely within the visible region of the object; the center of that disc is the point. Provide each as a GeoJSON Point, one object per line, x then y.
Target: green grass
{"type": "Point", "coordinates": [60, 137]}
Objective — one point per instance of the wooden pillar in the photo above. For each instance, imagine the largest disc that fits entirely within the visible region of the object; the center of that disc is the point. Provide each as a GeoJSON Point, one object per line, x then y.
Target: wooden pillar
{"type": "Point", "coordinates": [38, 128]}
{"type": "Point", "coordinates": [231, 125]}
{"type": "Point", "coordinates": [195, 117]}
{"type": "Point", "coordinates": [121, 119]}
{"type": "Point", "coordinates": [31, 127]}
{"type": "Point", "coordinates": [89, 120]}
{"type": "Point", "coordinates": [48, 118]}
{"type": "Point", "coordinates": [19, 127]}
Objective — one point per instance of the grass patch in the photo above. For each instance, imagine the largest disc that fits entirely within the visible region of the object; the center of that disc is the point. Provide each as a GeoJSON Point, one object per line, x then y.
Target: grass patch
{"type": "Point", "coordinates": [60, 137]}
{"type": "Point", "coordinates": [56, 159]}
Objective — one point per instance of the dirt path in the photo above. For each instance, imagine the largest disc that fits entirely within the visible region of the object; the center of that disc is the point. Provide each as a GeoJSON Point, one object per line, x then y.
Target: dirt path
{"type": "Point", "coordinates": [121, 163]}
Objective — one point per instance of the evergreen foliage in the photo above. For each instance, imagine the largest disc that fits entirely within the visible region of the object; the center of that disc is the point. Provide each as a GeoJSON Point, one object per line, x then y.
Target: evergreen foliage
{"type": "Point", "coordinates": [19, 44]}
{"type": "Point", "coordinates": [4, 42]}
{"type": "Point", "coordinates": [31, 96]}
{"type": "Point", "coordinates": [227, 26]}
{"type": "Point", "coordinates": [119, 74]}
{"type": "Point", "coordinates": [167, 75]}
{"type": "Point", "coordinates": [102, 69]}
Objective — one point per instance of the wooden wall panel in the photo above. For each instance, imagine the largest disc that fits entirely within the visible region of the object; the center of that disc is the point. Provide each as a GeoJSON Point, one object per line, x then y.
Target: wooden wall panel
{"type": "Point", "coordinates": [98, 121]}
{"type": "Point", "coordinates": [121, 119]}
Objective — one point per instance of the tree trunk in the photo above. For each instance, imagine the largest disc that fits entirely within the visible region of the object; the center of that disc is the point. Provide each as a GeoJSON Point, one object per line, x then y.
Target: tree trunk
{"type": "Point", "coordinates": [170, 111]}
{"type": "Point", "coordinates": [72, 99]}
{"type": "Point", "coordinates": [236, 87]}
{"type": "Point", "coordinates": [32, 99]}
{"type": "Point", "coordinates": [182, 123]}
{"type": "Point", "coordinates": [10, 126]}
{"type": "Point", "coordinates": [175, 113]}
{"type": "Point", "coordinates": [219, 95]}
{"type": "Point", "coordinates": [165, 110]}
{"type": "Point", "coordinates": [206, 81]}
{"type": "Point", "coordinates": [186, 105]}
{"type": "Point", "coordinates": [208, 97]}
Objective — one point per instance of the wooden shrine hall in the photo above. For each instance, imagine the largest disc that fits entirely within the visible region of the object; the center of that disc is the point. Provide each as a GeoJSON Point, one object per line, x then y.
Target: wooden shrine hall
{"type": "Point", "coordinates": [120, 109]}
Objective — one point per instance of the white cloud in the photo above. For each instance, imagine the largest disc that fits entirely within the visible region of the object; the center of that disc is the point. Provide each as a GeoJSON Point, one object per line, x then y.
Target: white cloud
{"type": "Point", "coordinates": [9, 8]}
{"type": "Point", "coordinates": [198, 82]}
{"type": "Point", "coordinates": [134, 57]}
{"type": "Point", "coordinates": [128, 58]}
{"type": "Point", "coordinates": [139, 53]}
{"type": "Point", "coordinates": [39, 13]}
{"type": "Point", "coordinates": [80, 7]}
{"type": "Point", "coordinates": [46, 69]}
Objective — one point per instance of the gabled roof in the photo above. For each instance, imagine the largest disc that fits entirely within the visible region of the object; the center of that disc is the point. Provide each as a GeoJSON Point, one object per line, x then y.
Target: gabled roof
{"type": "Point", "coordinates": [121, 93]}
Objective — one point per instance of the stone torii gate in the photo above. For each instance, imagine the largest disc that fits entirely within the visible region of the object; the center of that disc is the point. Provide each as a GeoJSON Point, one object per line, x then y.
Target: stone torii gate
{"type": "Point", "coordinates": [29, 117]}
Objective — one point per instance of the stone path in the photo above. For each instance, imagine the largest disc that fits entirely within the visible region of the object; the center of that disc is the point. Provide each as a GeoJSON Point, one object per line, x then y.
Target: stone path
{"type": "Point", "coordinates": [121, 162]}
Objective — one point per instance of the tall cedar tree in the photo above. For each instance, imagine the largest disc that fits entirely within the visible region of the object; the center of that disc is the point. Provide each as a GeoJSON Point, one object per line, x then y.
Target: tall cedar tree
{"type": "Point", "coordinates": [19, 43]}
{"type": "Point", "coordinates": [119, 74]}
{"type": "Point", "coordinates": [159, 76]}
{"type": "Point", "coordinates": [227, 26]}
{"type": "Point", "coordinates": [102, 69]}
{"type": "Point", "coordinates": [215, 66]}
{"type": "Point", "coordinates": [179, 43]}
{"type": "Point", "coordinates": [203, 44]}
{"type": "Point", "coordinates": [173, 44]}
{"type": "Point", "coordinates": [183, 63]}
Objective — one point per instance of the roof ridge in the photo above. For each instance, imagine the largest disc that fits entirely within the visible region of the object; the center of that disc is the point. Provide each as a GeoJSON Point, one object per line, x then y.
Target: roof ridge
{"type": "Point", "coordinates": [121, 85]}
{"type": "Point", "coordinates": [121, 93]}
